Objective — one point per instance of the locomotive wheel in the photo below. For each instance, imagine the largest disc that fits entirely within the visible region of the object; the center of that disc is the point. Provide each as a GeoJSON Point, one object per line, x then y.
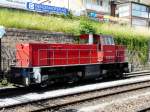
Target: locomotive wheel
{"type": "Point", "coordinates": [4, 82]}
{"type": "Point", "coordinates": [118, 74]}
{"type": "Point", "coordinates": [74, 79]}
{"type": "Point", "coordinates": [105, 77]}
{"type": "Point", "coordinates": [44, 84]}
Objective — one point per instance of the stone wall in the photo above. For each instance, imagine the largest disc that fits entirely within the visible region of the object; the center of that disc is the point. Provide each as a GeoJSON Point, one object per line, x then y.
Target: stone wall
{"type": "Point", "coordinates": [14, 36]}
{"type": "Point", "coordinates": [135, 63]}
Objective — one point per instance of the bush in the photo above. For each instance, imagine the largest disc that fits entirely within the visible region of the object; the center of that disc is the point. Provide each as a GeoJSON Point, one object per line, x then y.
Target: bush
{"type": "Point", "coordinates": [85, 27]}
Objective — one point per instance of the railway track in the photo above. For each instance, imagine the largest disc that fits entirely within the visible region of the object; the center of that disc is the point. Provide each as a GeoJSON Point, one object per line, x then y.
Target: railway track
{"type": "Point", "coordinates": [85, 98]}
{"type": "Point", "coordinates": [138, 74]}
{"type": "Point", "coordinates": [58, 99]}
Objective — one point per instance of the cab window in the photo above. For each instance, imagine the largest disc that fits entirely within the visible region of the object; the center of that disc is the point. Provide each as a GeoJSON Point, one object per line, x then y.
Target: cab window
{"type": "Point", "coordinates": [107, 40]}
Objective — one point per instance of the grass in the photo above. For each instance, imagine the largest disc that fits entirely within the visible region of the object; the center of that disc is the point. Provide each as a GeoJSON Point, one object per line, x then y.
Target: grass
{"type": "Point", "coordinates": [133, 39]}
{"type": "Point", "coordinates": [27, 20]}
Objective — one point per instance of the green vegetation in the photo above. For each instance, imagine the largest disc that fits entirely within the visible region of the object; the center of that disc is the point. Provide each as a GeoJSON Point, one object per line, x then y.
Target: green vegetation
{"type": "Point", "coordinates": [4, 82]}
{"type": "Point", "coordinates": [85, 27]}
{"type": "Point", "coordinates": [29, 20]}
{"type": "Point", "coordinates": [134, 39]}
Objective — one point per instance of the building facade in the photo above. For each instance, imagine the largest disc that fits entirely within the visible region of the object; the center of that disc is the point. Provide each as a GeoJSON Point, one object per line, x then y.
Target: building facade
{"type": "Point", "coordinates": [136, 13]}
{"type": "Point", "coordinates": [99, 6]}
{"type": "Point", "coordinates": [89, 7]}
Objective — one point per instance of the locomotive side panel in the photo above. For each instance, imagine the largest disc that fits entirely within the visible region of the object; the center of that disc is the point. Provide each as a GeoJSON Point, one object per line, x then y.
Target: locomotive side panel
{"type": "Point", "coordinates": [109, 53]}
{"type": "Point", "coordinates": [37, 54]}
{"type": "Point", "coordinates": [120, 53]}
{"type": "Point", "coordinates": [22, 55]}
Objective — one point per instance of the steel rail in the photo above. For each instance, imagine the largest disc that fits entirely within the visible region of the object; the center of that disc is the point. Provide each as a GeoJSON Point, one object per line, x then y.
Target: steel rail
{"type": "Point", "coordinates": [87, 99]}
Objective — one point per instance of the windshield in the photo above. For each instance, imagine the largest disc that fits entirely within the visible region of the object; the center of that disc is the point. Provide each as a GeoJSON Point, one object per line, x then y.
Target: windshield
{"type": "Point", "coordinates": [107, 40]}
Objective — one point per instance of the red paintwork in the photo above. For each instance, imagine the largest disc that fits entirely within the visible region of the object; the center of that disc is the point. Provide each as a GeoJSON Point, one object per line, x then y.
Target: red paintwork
{"type": "Point", "coordinates": [22, 54]}
{"type": "Point", "coordinates": [42, 54]}
{"type": "Point", "coordinates": [120, 53]}
{"type": "Point", "coordinates": [109, 53]}
{"type": "Point", "coordinates": [112, 54]}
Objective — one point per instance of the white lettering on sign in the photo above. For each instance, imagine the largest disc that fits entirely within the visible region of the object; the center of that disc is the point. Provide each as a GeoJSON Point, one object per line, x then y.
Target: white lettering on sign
{"type": "Point", "coordinates": [44, 6]}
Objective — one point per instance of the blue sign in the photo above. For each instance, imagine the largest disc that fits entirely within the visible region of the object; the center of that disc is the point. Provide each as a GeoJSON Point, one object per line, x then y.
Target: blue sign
{"type": "Point", "coordinates": [46, 8]}
{"type": "Point", "coordinates": [93, 14]}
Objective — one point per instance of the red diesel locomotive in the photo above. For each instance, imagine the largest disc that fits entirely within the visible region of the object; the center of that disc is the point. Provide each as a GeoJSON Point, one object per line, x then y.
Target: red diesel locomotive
{"type": "Point", "coordinates": [45, 63]}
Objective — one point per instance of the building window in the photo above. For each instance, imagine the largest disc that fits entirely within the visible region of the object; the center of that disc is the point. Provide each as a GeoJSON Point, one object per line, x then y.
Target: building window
{"type": "Point", "coordinates": [93, 2]}
{"type": "Point", "coordinates": [139, 10]}
{"type": "Point", "coordinates": [87, 1]}
{"type": "Point", "coordinates": [139, 22]}
{"type": "Point", "coordinates": [124, 11]}
{"type": "Point", "coordinates": [101, 3]}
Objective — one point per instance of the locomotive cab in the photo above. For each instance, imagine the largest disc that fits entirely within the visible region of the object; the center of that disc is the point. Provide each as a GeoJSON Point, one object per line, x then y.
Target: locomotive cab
{"type": "Point", "coordinates": [107, 51]}
{"type": "Point", "coordinates": [110, 55]}
{"type": "Point", "coordinates": [105, 47]}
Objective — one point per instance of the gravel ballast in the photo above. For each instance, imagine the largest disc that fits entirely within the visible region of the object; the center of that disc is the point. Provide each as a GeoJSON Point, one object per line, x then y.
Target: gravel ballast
{"type": "Point", "coordinates": [128, 102]}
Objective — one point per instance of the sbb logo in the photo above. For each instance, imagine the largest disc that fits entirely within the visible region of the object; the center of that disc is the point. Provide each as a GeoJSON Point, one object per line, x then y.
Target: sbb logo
{"type": "Point", "coordinates": [31, 6]}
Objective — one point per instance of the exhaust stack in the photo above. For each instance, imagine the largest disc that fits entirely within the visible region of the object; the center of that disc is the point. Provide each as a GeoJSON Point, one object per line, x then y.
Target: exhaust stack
{"type": "Point", "coordinates": [91, 39]}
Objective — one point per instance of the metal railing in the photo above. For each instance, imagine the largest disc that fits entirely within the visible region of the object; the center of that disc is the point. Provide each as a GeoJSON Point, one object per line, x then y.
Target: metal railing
{"type": "Point", "coordinates": [78, 58]}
